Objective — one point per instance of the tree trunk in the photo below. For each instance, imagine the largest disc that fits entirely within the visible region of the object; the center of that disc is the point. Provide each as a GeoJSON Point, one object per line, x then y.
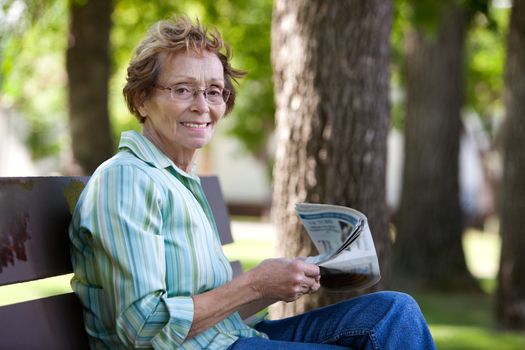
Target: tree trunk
{"type": "Point", "coordinates": [88, 69]}
{"type": "Point", "coordinates": [428, 249]}
{"type": "Point", "coordinates": [511, 284]}
{"type": "Point", "coordinates": [331, 75]}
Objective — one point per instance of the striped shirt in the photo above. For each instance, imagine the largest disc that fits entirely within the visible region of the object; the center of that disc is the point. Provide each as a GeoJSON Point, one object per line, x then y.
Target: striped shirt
{"type": "Point", "coordinates": [143, 241]}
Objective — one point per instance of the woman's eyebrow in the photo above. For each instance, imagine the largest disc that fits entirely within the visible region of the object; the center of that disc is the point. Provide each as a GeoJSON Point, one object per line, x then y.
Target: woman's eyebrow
{"type": "Point", "coordinates": [193, 79]}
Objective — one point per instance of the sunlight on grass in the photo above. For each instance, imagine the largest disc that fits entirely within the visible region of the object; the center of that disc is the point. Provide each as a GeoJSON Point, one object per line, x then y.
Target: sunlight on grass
{"type": "Point", "coordinates": [465, 321]}
{"type": "Point", "coordinates": [474, 338]}
{"type": "Point", "coordinates": [482, 250]}
{"type": "Point", "coordinates": [253, 242]}
{"type": "Point", "coordinates": [46, 287]}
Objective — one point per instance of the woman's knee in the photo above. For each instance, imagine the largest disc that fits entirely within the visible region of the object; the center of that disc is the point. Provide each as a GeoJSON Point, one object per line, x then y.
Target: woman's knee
{"type": "Point", "coordinates": [398, 298]}
{"type": "Point", "coordinates": [398, 304]}
{"type": "Point", "coordinates": [387, 298]}
{"type": "Point", "coordinates": [399, 301]}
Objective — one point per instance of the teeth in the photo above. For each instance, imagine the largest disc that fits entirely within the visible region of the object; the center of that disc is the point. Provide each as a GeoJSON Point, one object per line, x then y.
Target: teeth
{"type": "Point", "coordinates": [195, 125]}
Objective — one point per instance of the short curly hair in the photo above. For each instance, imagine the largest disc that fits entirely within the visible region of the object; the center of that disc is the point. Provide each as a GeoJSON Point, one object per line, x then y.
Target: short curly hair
{"type": "Point", "coordinates": [169, 36]}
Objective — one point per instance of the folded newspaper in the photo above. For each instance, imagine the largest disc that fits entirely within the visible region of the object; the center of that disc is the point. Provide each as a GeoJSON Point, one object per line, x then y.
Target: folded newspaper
{"type": "Point", "coordinates": [347, 255]}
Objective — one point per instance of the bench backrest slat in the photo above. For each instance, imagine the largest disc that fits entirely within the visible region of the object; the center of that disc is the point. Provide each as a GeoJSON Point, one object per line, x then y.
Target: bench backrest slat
{"type": "Point", "coordinates": [53, 323]}
{"type": "Point", "coordinates": [212, 189]}
{"type": "Point", "coordinates": [34, 219]}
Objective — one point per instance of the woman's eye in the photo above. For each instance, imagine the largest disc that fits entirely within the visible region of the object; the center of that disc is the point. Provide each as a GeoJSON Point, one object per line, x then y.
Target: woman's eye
{"type": "Point", "coordinates": [214, 92]}
{"type": "Point", "coordinates": [181, 90]}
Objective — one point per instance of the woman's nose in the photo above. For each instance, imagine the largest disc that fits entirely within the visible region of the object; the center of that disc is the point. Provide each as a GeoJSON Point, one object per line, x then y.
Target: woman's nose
{"type": "Point", "coordinates": [199, 102]}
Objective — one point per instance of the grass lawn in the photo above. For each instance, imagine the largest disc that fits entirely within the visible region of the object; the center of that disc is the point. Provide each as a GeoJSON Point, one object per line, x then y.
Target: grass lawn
{"type": "Point", "coordinates": [464, 322]}
{"type": "Point", "coordinates": [457, 321]}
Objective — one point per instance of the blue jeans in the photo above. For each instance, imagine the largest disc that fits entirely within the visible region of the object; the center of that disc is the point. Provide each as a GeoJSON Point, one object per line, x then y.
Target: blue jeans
{"type": "Point", "coordinates": [382, 320]}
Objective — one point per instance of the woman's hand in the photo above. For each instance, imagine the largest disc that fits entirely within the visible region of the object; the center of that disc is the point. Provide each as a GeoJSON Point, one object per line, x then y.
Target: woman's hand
{"type": "Point", "coordinates": [284, 279]}
{"type": "Point", "coordinates": [272, 280]}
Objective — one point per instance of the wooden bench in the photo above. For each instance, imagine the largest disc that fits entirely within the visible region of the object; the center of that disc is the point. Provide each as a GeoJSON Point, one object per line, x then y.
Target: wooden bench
{"type": "Point", "coordinates": [34, 216]}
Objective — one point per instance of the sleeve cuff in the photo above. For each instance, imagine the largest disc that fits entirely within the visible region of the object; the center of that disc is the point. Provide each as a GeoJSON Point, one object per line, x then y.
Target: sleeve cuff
{"type": "Point", "coordinates": [180, 318]}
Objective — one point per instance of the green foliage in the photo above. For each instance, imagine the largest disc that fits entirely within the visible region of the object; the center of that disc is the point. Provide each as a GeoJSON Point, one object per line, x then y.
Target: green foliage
{"type": "Point", "coordinates": [400, 26]}
{"type": "Point", "coordinates": [32, 71]}
{"type": "Point", "coordinates": [425, 14]}
{"type": "Point", "coordinates": [485, 51]}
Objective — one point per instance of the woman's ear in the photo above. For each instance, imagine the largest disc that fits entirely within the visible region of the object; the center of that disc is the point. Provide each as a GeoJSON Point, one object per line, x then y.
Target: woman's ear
{"type": "Point", "coordinates": [143, 110]}
{"type": "Point", "coordinates": [142, 105]}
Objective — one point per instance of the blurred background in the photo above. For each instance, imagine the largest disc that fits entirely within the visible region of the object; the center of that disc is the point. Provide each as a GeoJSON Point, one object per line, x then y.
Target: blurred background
{"type": "Point", "coordinates": [448, 78]}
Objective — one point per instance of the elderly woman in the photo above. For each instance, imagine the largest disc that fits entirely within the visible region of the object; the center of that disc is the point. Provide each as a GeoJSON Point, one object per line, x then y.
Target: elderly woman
{"type": "Point", "coordinates": [149, 267]}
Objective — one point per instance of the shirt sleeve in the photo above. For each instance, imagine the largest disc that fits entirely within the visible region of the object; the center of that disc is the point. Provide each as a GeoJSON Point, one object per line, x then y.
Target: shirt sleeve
{"type": "Point", "coordinates": [123, 210]}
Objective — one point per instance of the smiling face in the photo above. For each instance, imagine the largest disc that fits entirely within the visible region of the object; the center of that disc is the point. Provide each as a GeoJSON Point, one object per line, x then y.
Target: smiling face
{"type": "Point", "coordinates": [179, 128]}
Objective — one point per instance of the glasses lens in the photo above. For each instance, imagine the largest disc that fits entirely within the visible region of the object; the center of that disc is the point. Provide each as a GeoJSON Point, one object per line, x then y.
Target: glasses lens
{"type": "Point", "coordinates": [180, 92]}
{"type": "Point", "coordinates": [214, 95]}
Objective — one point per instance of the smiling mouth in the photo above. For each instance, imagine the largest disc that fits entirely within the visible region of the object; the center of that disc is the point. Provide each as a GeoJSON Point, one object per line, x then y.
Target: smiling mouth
{"type": "Point", "coordinates": [195, 125]}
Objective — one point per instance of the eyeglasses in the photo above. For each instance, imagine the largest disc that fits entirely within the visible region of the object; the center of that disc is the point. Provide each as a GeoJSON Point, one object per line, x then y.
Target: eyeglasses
{"type": "Point", "coordinates": [214, 95]}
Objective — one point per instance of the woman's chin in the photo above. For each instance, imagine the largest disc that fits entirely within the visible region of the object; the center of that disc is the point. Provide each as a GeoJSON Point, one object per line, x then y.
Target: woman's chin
{"type": "Point", "coordinates": [198, 144]}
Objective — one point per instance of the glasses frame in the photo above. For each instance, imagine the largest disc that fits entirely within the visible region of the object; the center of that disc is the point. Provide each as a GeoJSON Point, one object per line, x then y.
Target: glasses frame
{"type": "Point", "coordinates": [225, 94]}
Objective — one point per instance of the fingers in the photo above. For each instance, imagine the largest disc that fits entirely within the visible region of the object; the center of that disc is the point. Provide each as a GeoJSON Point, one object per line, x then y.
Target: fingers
{"type": "Point", "coordinates": [314, 285]}
{"type": "Point", "coordinates": [308, 275]}
{"type": "Point", "coordinates": [312, 276]}
{"type": "Point", "coordinates": [312, 270]}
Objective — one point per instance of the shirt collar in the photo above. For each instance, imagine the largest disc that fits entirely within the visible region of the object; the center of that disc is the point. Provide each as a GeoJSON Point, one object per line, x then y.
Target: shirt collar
{"type": "Point", "coordinates": [145, 150]}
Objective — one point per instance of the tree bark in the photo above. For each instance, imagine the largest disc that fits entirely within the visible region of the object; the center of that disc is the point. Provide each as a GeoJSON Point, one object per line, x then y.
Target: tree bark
{"type": "Point", "coordinates": [331, 76]}
{"type": "Point", "coordinates": [428, 250]}
{"type": "Point", "coordinates": [511, 284]}
{"type": "Point", "coordinates": [88, 69]}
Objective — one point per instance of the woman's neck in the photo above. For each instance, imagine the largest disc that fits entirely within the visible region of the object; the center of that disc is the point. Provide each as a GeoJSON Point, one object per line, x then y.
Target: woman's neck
{"type": "Point", "coordinates": [182, 158]}
{"type": "Point", "coordinates": [184, 165]}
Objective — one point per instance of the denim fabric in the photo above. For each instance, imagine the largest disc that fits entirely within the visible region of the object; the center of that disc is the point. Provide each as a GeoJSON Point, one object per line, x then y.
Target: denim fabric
{"type": "Point", "coordinates": [382, 320]}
